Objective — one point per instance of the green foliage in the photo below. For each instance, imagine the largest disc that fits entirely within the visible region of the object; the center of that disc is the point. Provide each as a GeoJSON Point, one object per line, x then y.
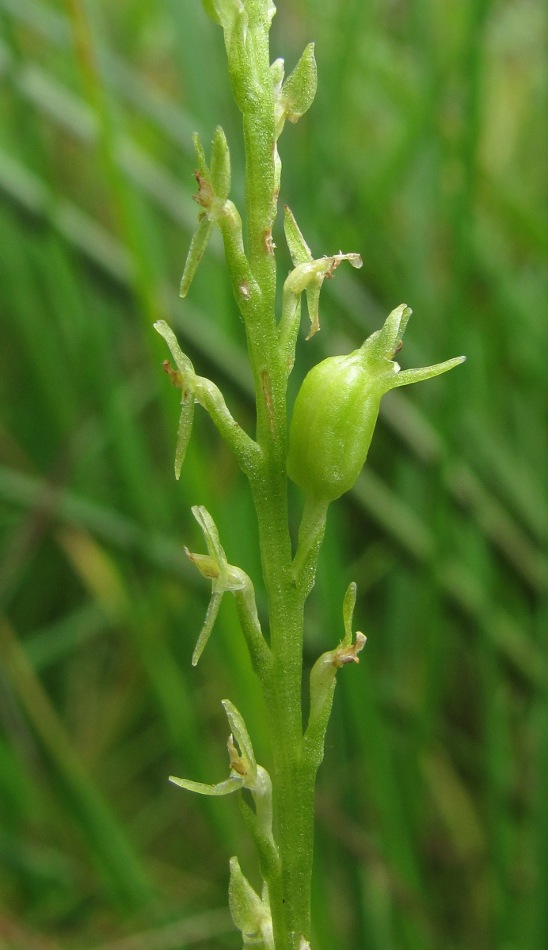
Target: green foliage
{"type": "Point", "coordinates": [424, 151]}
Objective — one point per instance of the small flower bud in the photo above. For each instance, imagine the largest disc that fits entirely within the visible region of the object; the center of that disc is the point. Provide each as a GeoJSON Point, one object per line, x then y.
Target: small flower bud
{"type": "Point", "coordinates": [246, 907]}
{"type": "Point", "coordinates": [250, 913]}
{"type": "Point", "coordinates": [323, 677]}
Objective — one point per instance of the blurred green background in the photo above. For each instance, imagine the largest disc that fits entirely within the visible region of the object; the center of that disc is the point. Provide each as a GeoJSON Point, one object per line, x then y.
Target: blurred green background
{"type": "Point", "coordinates": [426, 151]}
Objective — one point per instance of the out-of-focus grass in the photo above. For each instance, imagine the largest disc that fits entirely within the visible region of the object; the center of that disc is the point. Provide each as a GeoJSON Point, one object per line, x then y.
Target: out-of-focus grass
{"type": "Point", "coordinates": [426, 151]}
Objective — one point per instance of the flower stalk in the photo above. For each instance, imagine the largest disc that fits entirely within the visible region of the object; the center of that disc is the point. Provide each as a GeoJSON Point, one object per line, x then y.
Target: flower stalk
{"type": "Point", "coordinates": [323, 452]}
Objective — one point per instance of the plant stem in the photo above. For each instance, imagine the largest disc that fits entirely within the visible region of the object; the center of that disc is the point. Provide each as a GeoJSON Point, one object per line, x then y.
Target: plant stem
{"type": "Point", "coordinates": [293, 773]}
{"type": "Point", "coordinates": [293, 781]}
{"type": "Point", "coordinates": [293, 776]}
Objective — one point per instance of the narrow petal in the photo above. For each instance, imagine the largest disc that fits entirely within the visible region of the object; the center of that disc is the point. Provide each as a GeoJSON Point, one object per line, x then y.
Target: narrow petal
{"type": "Point", "coordinates": [231, 784]}
{"type": "Point", "coordinates": [182, 362]}
{"type": "Point", "coordinates": [210, 618]}
{"type": "Point", "coordinates": [241, 735]}
{"type": "Point", "coordinates": [184, 431]}
{"type": "Point", "coordinates": [198, 245]}
{"type": "Point", "coordinates": [298, 248]}
{"type": "Point", "coordinates": [210, 532]}
{"type": "Point", "coordinates": [407, 376]}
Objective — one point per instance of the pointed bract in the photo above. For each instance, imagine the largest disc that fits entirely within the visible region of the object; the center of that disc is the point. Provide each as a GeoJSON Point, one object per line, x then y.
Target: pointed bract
{"type": "Point", "coordinates": [299, 89]}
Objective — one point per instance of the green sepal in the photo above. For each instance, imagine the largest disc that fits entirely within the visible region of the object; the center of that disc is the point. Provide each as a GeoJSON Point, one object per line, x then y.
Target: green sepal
{"type": "Point", "coordinates": [378, 350]}
{"type": "Point", "coordinates": [298, 248]}
{"type": "Point", "coordinates": [222, 12]}
{"type": "Point", "coordinates": [210, 8]}
{"type": "Point", "coordinates": [230, 785]}
{"type": "Point", "coordinates": [201, 236]}
{"type": "Point", "coordinates": [182, 361]}
{"type": "Point", "coordinates": [349, 604]}
{"type": "Point", "coordinates": [196, 251]}
{"type": "Point", "coordinates": [246, 907]}
{"type": "Point", "coordinates": [277, 73]}
{"type": "Point", "coordinates": [201, 160]}
{"type": "Point", "coordinates": [299, 89]}
{"type": "Point", "coordinates": [209, 622]}
{"type": "Point", "coordinates": [241, 735]}
{"type": "Point", "coordinates": [220, 165]}
{"type": "Point", "coordinates": [407, 376]}
{"type": "Point", "coordinates": [184, 379]}
{"type": "Point", "coordinates": [250, 913]}
{"type": "Point", "coordinates": [184, 431]}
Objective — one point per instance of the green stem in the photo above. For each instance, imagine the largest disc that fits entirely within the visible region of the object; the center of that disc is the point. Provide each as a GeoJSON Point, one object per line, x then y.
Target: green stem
{"type": "Point", "coordinates": [293, 774]}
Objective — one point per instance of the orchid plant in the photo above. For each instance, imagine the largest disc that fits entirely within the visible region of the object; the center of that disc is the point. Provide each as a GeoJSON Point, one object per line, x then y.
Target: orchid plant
{"type": "Point", "coordinates": [322, 450]}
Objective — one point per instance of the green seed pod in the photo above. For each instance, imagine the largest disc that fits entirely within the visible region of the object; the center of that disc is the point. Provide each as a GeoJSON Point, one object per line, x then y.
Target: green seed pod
{"type": "Point", "coordinates": [332, 426]}
{"type": "Point", "coordinates": [337, 408]}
